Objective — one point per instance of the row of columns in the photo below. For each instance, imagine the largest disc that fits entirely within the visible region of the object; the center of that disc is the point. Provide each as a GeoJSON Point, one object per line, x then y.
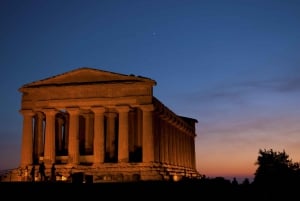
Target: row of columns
{"type": "Point", "coordinates": [73, 135]}
{"type": "Point", "coordinates": [176, 144]}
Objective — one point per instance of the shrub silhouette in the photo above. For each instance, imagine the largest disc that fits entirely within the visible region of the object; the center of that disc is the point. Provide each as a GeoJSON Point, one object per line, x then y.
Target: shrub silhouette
{"type": "Point", "coordinates": [275, 168]}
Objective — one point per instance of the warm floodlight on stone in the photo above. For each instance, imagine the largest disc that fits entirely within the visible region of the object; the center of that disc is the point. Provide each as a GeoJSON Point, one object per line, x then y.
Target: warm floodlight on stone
{"type": "Point", "coordinates": [96, 126]}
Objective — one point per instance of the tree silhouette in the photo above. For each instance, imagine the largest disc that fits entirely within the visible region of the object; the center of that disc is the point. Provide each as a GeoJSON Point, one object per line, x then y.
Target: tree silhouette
{"type": "Point", "coordinates": [274, 168]}
{"type": "Point", "coordinates": [277, 177]}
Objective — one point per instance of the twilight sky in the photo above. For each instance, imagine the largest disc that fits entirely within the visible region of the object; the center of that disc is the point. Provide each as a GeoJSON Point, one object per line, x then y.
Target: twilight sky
{"type": "Point", "coordinates": [232, 65]}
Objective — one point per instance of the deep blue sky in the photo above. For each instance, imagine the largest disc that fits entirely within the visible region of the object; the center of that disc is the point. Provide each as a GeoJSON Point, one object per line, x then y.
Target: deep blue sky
{"type": "Point", "coordinates": [232, 65]}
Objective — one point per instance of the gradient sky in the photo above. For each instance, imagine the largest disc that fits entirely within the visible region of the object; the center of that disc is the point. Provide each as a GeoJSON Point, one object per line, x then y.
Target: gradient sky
{"type": "Point", "coordinates": [232, 65]}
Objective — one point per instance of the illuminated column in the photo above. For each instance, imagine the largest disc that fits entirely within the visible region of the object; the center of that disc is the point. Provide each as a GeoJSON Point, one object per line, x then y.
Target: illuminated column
{"type": "Point", "coordinates": [171, 152]}
{"type": "Point", "coordinates": [179, 143]}
{"type": "Point", "coordinates": [170, 148]}
{"type": "Point", "coordinates": [174, 147]}
{"type": "Point", "coordinates": [49, 153]}
{"type": "Point", "coordinates": [39, 135]}
{"type": "Point", "coordinates": [131, 135]}
{"type": "Point", "coordinates": [123, 152]}
{"type": "Point", "coordinates": [59, 134]}
{"type": "Point", "coordinates": [185, 148]}
{"type": "Point", "coordinates": [161, 141]}
{"type": "Point", "coordinates": [166, 143]}
{"type": "Point", "coordinates": [66, 132]}
{"type": "Point", "coordinates": [148, 146]}
{"type": "Point", "coordinates": [98, 135]}
{"type": "Point", "coordinates": [139, 135]}
{"type": "Point", "coordinates": [192, 139]}
{"type": "Point", "coordinates": [73, 148]}
{"type": "Point", "coordinates": [111, 135]}
{"type": "Point", "coordinates": [27, 141]}
{"type": "Point", "coordinates": [192, 152]}
{"type": "Point", "coordinates": [88, 132]}
{"type": "Point", "coordinates": [191, 149]}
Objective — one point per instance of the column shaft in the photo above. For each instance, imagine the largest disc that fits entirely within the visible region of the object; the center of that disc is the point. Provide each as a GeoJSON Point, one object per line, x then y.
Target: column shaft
{"type": "Point", "coordinates": [27, 138]}
{"type": "Point", "coordinates": [73, 148]}
{"type": "Point", "coordinates": [148, 141]}
{"type": "Point", "coordinates": [99, 145]}
{"type": "Point", "coordinates": [88, 133]}
{"type": "Point", "coordinates": [111, 136]}
{"type": "Point", "coordinates": [166, 143]}
{"type": "Point", "coordinates": [123, 152]}
{"type": "Point", "coordinates": [38, 136]}
{"type": "Point", "coordinates": [59, 134]}
{"type": "Point", "coordinates": [49, 153]}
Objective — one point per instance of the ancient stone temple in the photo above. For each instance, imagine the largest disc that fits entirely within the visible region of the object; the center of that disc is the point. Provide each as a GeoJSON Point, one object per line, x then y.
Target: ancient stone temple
{"type": "Point", "coordinates": [100, 126]}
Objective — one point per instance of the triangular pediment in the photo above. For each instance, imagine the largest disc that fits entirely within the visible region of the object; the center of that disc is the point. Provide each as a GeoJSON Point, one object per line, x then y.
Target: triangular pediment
{"type": "Point", "coordinates": [86, 75]}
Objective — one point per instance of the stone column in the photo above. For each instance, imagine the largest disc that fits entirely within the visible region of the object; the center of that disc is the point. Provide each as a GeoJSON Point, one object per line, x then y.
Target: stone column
{"type": "Point", "coordinates": [184, 149]}
{"type": "Point", "coordinates": [132, 131]}
{"type": "Point", "coordinates": [49, 153]}
{"type": "Point", "coordinates": [187, 150]}
{"type": "Point", "coordinates": [73, 148]}
{"type": "Point", "coordinates": [39, 135]}
{"type": "Point", "coordinates": [166, 142]}
{"type": "Point", "coordinates": [111, 135]}
{"type": "Point", "coordinates": [123, 149]}
{"type": "Point", "coordinates": [174, 147]}
{"type": "Point", "coordinates": [170, 145]}
{"type": "Point", "coordinates": [139, 134]}
{"type": "Point", "coordinates": [59, 134]}
{"type": "Point", "coordinates": [161, 141]}
{"type": "Point", "coordinates": [27, 138]}
{"type": "Point", "coordinates": [193, 152]}
{"type": "Point", "coordinates": [180, 145]}
{"type": "Point", "coordinates": [148, 141]}
{"type": "Point", "coordinates": [99, 145]}
{"type": "Point", "coordinates": [88, 133]}
{"type": "Point", "coordinates": [66, 132]}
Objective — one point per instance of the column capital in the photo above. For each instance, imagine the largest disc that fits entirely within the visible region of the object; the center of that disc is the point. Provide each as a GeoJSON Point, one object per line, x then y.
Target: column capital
{"type": "Point", "coordinates": [111, 114]}
{"type": "Point", "coordinates": [27, 112]}
{"type": "Point", "coordinates": [123, 108]}
{"type": "Point", "coordinates": [73, 110]}
{"type": "Point", "coordinates": [98, 109]}
{"type": "Point", "coordinates": [39, 114]}
{"type": "Point", "coordinates": [148, 108]}
{"type": "Point", "coordinates": [50, 111]}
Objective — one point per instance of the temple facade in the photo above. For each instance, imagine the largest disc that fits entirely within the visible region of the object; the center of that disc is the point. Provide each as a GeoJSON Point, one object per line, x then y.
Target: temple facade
{"type": "Point", "coordinates": [100, 126]}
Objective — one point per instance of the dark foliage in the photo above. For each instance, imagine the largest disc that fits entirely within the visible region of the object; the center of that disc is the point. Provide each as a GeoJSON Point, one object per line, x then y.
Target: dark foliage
{"type": "Point", "coordinates": [277, 177]}
{"type": "Point", "coordinates": [275, 168]}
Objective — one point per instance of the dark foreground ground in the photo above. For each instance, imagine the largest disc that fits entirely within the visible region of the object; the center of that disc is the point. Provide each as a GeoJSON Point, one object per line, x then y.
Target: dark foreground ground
{"type": "Point", "coordinates": [190, 190]}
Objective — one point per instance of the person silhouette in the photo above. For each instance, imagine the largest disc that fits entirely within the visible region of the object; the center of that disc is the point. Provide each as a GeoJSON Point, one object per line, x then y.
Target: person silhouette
{"type": "Point", "coordinates": [53, 175]}
{"type": "Point", "coordinates": [26, 174]}
{"type": "Point", "coordinates": [32, 173]}
{"type": "Point", "coordinates": [42, 171]}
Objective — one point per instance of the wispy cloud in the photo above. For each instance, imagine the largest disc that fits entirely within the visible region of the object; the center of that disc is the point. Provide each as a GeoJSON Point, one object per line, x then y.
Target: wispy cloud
{"type": "Point", "coordinates": [286, 84]}
{"type": "Point", "coordinates": [280, 85]}
{"type": "Point", "coordinates": [237, 92]}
